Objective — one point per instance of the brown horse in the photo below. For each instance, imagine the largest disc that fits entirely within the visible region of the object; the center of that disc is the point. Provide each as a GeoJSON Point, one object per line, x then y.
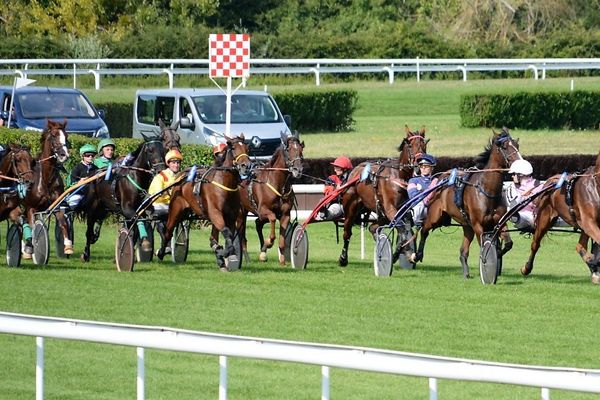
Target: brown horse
{"type": "Point", "coordinates": [16, 170]}
{"type": "Point", "coordinates": [124, 191]}
{"type": "Point", "coordinates": [578, 204]}
{"type": "Point", "coordinates": [384, 191]}
{"type": "Point", "coordinates": [213, 194]}
{"type": "Point", "coordinates": [169, 135]}
{"type": "Point", "coordinates": [482, 205]}
{"type": "Point", "coordinates": [47, 183]}
{"type": "Point", "coordinates": [269, 195]}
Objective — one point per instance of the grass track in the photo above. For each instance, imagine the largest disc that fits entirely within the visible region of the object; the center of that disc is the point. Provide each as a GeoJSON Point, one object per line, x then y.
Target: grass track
{"type": "Point", "coordinates": [544, 319]}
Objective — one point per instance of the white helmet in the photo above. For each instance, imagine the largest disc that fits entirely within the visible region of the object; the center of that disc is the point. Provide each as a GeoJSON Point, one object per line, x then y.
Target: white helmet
{"type": "Point", "coordinates": [522, 167]}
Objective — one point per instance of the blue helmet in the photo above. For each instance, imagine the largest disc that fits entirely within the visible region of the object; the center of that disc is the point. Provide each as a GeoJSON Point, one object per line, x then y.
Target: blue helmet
{"type": "Point", "coordinates": [426, 159]}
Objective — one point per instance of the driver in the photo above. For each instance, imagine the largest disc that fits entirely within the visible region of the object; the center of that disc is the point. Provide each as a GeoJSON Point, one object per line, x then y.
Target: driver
{"type": "Point", "coordinates": [522, 186]}
{"type": "Point", "coordinates": [342, 166]}
{"type": "Point", "coordinates": [419, 183]}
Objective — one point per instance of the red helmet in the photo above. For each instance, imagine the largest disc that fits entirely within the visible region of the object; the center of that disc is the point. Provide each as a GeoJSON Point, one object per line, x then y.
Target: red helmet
{"type": "Point", "coordinates": [342, 162]}
{"type": "Point", "coordinates": [219, 148]}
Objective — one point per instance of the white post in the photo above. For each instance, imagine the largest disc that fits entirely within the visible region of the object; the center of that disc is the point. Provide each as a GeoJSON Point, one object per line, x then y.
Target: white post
{"type": "Point", "coordinates": [572, 85]}
{"type": "Point", "coordinates": [362, 240]}
{"type": "Point", "coordinates": [324, 383]}
{"type": "Point", "coordinates": [39, 368]}
{"type": "Point", "coordinates": [141, 374]}
{"type": "Point", "coordinates": [545, 394]}
{"type": "Point", "coordinates": [418, 71]}
{"type": "Point", "coordinates": [228, 108]}
{"type": "Point", "coordinates": [74, 76]}
{"type": "Point", "coordinates": [222, 377]}
{"type": "Point", "coordinates": [433, 389]}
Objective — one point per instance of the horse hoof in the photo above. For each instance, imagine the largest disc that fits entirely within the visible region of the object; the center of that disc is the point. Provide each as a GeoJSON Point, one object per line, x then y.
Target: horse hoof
{"type": "Point", "coordinates": [281, 259]}
{"type": "Point", "coordinates": [263, 256]}
{"type": "Point", "coordinates": [68, 249]}
{"type": "Point", "coordinates": [223, 269]}
{"type": "Point", "coordinates": [83, 258]}
{"type": "Point", "coordinates": [596, 278]}
{"type": "Point", "coordinates": [413, 258]}
{"type": "Point", "coordinates": [26, 256]}
{"type": "Point", "coordinates": [525, 271]}
{"type": "Point", "coordinates": [467, 276]}
{"type": "Point", "coordinates": [343, 261]}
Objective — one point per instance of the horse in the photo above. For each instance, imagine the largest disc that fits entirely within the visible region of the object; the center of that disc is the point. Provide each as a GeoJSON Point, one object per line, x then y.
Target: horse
{"type": "Point", "coordinates": [482, 204]}
{"type": "Point", "coordinates": [578, 204]}
{"type": "Point", "coordinates": [16, 170]}
{"type": "Point", "coordinates": [212, 194]}
{"type": "Point", "coordinates": [47, 183]}
{"type": "Point", "coordinates": [384, 191]}
{"type": "Point", "coordinates": [269, 195]}
{"type": "Point", "coordinates": [169, 135]}
{"type": "Point", "coordinates": [124, 191]}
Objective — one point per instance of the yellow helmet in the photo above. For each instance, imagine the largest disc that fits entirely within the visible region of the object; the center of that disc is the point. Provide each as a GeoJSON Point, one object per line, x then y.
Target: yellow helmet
{"type": "Point", "coordinates": [173, 155]}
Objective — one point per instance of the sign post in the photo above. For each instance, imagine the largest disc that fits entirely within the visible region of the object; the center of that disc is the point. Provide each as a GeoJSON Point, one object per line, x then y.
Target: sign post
{"type": "Point", "coordinates": [229, 57]}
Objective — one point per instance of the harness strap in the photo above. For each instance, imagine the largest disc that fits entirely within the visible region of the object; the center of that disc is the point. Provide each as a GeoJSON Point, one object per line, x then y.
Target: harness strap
{"type": "Point", "coordinates": [134, 183]}
{"type": "Point", "coordinates": [217, 184]}
{"type": "Point", "coordinates": [273, 189]}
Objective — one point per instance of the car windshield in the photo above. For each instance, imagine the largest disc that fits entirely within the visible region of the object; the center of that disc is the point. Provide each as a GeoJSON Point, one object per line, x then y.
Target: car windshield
{"type": "Point", "coordinates": [245, 109]}
{"type": "Point", "coordinates": [55, 105]}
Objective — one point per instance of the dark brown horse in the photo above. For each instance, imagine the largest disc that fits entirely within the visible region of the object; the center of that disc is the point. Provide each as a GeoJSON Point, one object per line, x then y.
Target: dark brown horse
{"type": "Point", "coordinates": [16, 177]}
{"type": "Point", "coordinates": [482, 205]}
{"type": "Point", "coordinates": [125, 189]}
{"type": "Point", "coordinates": [169, 135]}
{"type": "Point", "coordinates": [47, 183]}
{"type": "Point", "coordinates": [269, 195]}
{"type": "Point", "coordinates": [384, 191]}
{"type": "Point", "coordinates": [212, 195]}
{"type": "Point", "coordinates": [578, 204]}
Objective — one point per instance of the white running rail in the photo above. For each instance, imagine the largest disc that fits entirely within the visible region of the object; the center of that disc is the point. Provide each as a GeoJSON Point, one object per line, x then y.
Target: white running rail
{"type": "Point", "coordinates": [311, 66]}
{"type": "Point", "coordinates": [326, 356]}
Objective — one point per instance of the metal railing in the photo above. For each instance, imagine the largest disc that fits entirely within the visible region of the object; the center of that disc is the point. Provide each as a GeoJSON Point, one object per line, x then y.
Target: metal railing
{"type": "Point", "coordinates": [326, 356]}
{"type": "Point", "coordinates": [315, 66]}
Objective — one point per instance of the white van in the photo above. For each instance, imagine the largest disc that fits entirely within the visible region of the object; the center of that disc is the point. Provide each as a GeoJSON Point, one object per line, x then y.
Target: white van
{"type": "Point", "coordinates": [201, 116]}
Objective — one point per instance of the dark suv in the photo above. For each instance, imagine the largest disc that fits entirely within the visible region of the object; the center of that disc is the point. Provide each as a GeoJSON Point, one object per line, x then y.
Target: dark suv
{"type": "Point", "coordinates": [34, 105]}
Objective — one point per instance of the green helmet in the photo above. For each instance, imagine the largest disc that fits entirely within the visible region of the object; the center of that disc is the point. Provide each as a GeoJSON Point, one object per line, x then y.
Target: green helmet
{"type": "Point", "coordinates": [106, 142]}
{"type": "Point", "coordinates": [87, 148]}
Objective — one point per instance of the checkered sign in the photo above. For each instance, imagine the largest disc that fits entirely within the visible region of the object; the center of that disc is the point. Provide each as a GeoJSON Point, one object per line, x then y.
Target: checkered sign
{"type": "Point", "coordinates": [229, 55]}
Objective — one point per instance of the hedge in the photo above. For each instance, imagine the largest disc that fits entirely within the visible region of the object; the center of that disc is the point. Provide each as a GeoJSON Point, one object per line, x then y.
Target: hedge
{"type": "Point", "coordinates": [321, 110]}
{"type": "Point", "coordinates": [557, 110]}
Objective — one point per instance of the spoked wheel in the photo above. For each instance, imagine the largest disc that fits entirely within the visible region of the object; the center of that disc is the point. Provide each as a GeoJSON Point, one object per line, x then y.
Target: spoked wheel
{"type": "Point", "coordinates": [234, 261]}
{"type": "Point", "coordinates": [13, 246]}
{"type": "Point", "coordinates": [124, 251]}
{"type": "Point", "coordinates": [59, 240]}
{"type": "Point", "coordinates": [489, 259]}
{"type": "Point", "coordinates": [382, 257]}
{"type": "Point", "coordinates": [405, 235]}
{"type": "Point", "coordinates": [299, 248]}
{"type": "Point", "coordinates": [41, 243]}
{"type": "Point", "coordinates": [140, 254]}
{"type": "Point", "coordinates": [180, 242]}
{"type": "Point", "coordinates": [289, 234]}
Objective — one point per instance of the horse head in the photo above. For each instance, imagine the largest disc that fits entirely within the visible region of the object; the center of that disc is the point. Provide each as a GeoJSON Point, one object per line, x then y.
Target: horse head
{"type": "Point", "coordinates": [169, 135]}
{"type": "Point", "coordinates": [21, 163]}
{"type": "Point", "coordinates": [412, 146]}
{"type": "Point", "coordinates": [151, 154]}
{"type": "Point", "coordinates": [237, 149]}
{"type": "Point", "coordinates": [54, 141]}
{"type": "Point", "coordinates": [292, 150]}
{"type": "Point", "coordinates": [506, 147]}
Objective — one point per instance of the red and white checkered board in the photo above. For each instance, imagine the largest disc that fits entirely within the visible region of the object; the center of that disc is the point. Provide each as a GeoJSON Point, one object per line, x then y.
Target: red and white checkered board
{"type": "Point", "coordinates": [229, 55]}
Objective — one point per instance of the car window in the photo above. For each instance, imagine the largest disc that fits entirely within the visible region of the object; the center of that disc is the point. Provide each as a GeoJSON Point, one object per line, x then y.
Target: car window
{"type": "Point", "coordinates": [245, 109]}
{"type": "Point", "coordinates": [55, 105]}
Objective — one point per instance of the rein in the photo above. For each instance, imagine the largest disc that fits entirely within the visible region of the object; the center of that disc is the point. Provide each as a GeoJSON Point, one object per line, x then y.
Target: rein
{"type": "Point", "coordinates": [9, 178]}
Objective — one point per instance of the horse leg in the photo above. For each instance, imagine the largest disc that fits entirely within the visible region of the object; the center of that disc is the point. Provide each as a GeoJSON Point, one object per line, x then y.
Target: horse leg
{"type": "Point", "coordinates": [348, 221]}
{"type": "Point", "coordinates": [468, 234]}
{"type": "Point", "coordinates": [174, 217]}
{"type": "Point", "coordinates": [89, 237]}
{"type": "Point", "coordinates": [589, 226]}
{"type": "Point", "coordinates": [507, 241]}
{"type": "Point", "coordinates": [242, 230]}
{"type": "Point", "coordinates": [284, 222]}
{"type": "Point", "coordinates": [261, 240]}
{"type": "Point", "coordinates": [542, 225]}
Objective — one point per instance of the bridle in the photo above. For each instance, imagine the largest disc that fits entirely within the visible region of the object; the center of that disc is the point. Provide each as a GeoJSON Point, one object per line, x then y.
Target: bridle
{"type": "Point", "coordinates": [504, 144]}
{"type": "Point", "coordinates": [20, 174]}
{"type": "Point", "coordinates": [408, 142]}
{"type": "Point", "coordinates": [292, 162]}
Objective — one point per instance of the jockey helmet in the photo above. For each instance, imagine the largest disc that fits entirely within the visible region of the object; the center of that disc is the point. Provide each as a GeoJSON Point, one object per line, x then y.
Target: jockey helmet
{"type": "Point", "coordinates": [106, 142]}
{"type": "Point", "coordinates": [219, 148]}
{"type": "Point", "coordinates": [426, 159]}
{"type": "Point", "coordinates": [87, 148]}
{"type": "Point", "coordinates": [522, 167]}
{"type": "Point", "coordinates": [342, 162]}
{"type": "Point", "coordinates": [173, 155]}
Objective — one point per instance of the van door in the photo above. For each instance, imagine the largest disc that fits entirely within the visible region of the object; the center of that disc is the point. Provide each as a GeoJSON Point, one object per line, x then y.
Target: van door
{"type": "Point", "coordinates": [190, 125]}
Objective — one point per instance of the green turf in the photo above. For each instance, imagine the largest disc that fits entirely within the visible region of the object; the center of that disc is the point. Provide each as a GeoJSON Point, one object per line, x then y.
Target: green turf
{"type": "Point", "coordinates": [545, 319]}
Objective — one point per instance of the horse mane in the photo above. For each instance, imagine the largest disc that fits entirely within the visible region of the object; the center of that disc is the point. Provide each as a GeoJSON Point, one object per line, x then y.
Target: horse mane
{"type": "Point", "coordinates": [482, 158]}
{"type": "Point", "coordinates": [597, 169]}
{"type": "Point", "coordinates": [278, 153]}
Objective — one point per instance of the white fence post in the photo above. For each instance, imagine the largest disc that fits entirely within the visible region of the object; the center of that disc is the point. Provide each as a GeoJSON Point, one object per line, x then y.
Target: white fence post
{"type": "Point", "coordinates": [222, 377]}
{"type": "Point", "coordinates": [545, 394]}
{"type": "Point", "coordinates": [141, 374]}
{"type": "Point", "coordinates": [324, 383]}
{"type": "Point", "coordinates": [39, 368]}
{"type": "Point", "coordinates": [433, 389]}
